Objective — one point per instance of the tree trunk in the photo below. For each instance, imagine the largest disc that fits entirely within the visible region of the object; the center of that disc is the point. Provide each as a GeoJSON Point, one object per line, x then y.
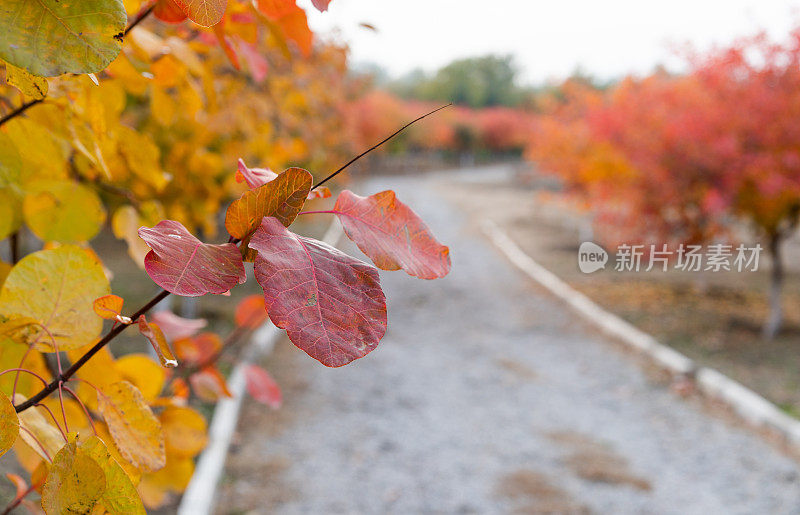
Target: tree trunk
{"type": "Point", "coordinates": [775, 318]}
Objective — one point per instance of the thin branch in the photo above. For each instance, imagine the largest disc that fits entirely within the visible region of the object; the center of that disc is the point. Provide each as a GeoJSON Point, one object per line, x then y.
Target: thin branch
{"type": "Point", "coordinates": [139, 19]}
{"type": "Point", "coordinates": [18, 111]}
{"type": "Point", "coordinates": [14, 242]}
{"type": "Point", "coordinates": [53, 385]}
{"type": "Point", "coordinates": [359, 156]}
{"type": "Point", "coordinates": [18, 500]}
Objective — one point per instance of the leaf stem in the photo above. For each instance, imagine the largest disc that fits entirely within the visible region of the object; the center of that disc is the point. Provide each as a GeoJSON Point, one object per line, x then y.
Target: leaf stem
{"type": "Point", "coordinates": [14, 242]}
{"type": "Point", "coordinates": [328, 212]}
{"type": "Point", "coordinates": [18, 111]}
{"type": "Point", "coordinates": [53, 385]}
{"type": "Point", "coordinates": [370, 149]}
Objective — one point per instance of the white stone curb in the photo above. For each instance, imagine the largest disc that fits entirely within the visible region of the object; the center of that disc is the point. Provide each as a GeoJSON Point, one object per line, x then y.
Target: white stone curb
{"type": "Point", "coordinates": [200, 495]}
{"type": "Point", "coordinates": [752, 407]}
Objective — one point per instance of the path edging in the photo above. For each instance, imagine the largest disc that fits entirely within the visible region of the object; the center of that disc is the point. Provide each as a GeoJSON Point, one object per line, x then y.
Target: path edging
{"type": "Point", "coordinates": [749, 405]}
{"type": "Point", "coordinates": [200, 496]}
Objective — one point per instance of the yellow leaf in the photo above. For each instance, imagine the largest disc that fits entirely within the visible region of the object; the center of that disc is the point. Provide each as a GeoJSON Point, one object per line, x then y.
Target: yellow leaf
{"type": "Point", "coordinates": [37, 431]}
{"type": "Point", "coordinates": [163, 107]}
{"type": "Point", "coordinates": [144, 373]}
{"type": "Point", "coordinates": [11, 356]}
{"type": "Point", "coordinates": [56, 288]}
{"type": "Point", "coordinates": [76, 417]}
{"type": "Point", "coordinates": [184, 431]}
{"type": "Point", "coordinates": [75, 482]}
{"type": "Point", "coordinates": [9, 424]}
{"type": "Point", "coordinates": [100, 371]}
{"type": "Point", "coordinates": [136, 431]}
{"type": "Point", "coordinates": [120, 496]}
{"type": "Point", "coordinates": [174, 477]}
{"type": "Point", "coordinates": [133, 473]}
{"type": "Point", "coordinates": [42, 154]}
{"type": "Point", "coordinates": [29, 84]}
{"type": "Point", "coordinates": [63, 211]}
{"type": "Point", "coordinates": [10, 218]}
{"type": "Point", "coordinates": [108, 306]}
{"type": "Point", "coordinates": [142, 156]}
{"type": "Point", "coordinates": [125, 224]}
{"type": "Point", "coordinates": [5, 268]}
{"type": "Point", "coordinates": [10, 161]}
{"type": "Point", "coordinates": [27, 457]}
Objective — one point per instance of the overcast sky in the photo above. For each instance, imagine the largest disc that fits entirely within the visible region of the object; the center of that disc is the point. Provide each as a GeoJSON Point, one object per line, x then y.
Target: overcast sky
{"type": "Point", "coordinates": [549, 39]}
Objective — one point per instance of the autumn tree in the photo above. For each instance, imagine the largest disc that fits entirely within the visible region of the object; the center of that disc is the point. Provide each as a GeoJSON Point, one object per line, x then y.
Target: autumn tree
{"type": "Point", "coordinates": [683, 159]}
{"type": "Point", "coordinates": [116, 113]}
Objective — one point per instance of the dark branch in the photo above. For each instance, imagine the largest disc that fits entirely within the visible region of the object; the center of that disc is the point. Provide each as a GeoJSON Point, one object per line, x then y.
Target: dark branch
{"type": "Point", "coordinates": [18, 111]}
{"type": "Point", "coordinates": [359, 156]}
{"type": "Point", "coordinates": [139, 18]}
{"type": "Point", "coordinates": [53, 386]}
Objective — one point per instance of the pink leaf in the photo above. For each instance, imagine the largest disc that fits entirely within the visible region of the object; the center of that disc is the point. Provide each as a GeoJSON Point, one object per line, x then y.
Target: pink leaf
{"type": "Point", "coordinates": [254, 177]}
{"type": "Point", "coordinates": [262, 387]}
{"type": "Point", "coordinates": [321, 5]}
{"type": "Point", "coordinates": [176, 327]}
{"type": "Point", "coordinates": [330, 304]}
{"type": "Point", "coordinates": [392, 235]}
{"type": "Point", "coordinates": [256, 62]}
{"type": "Point", "coordinates": [183, 265]}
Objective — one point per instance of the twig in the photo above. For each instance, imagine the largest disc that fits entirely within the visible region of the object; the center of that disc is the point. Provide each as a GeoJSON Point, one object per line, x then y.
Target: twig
{"type": "Point", "coordinates": [18, 111]}
{"type": "Point", "coordinates": [53, 385]}
{"type": "Point", "coordinates": [14, 242]}
{"type": "Point", "coordinates": [359, 156]}
{"type": "Point", "coordinates": [139, 18]}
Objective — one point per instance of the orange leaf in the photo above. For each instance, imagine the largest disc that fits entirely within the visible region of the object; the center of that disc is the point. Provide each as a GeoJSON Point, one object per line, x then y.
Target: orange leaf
{"type": "Point", "coordinates": [168, 11]}
{"type": "Point", "coordinates": [295, 27]}
{"type": "Point", "coordinates": [204, 12]}
{"type": "Point", "coordinates": [251, 312]}
{"type": "Point", "coordinates": [153, 333]}
{"type": "Point", "coordinates": [209, 385]}
{"type": "Point", "coordinates": [108, 307]}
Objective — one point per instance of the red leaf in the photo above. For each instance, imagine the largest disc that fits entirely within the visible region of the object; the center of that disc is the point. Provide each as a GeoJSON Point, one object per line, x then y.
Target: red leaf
{"type": "Point", "coordinates": [330, 304]}
{"type": "Point", "coordinates": [183, 265]}
{"type": "Point", "coordinates": [321, 5]}
{"type": "Point", "coordinates": [176, 327]}
{"type": "Point", "coordinates": [262, 387]}
{"type": "Point", "coordinates": [169, 11]}
{"type": "Point", "coordinates": [392, 235]}
{"type": "Point", "coordinates": [251, 312]}
{"type": "Point", "coordinates": [276, 9]}
{"type": "Point", "coordinates": [204, 12]}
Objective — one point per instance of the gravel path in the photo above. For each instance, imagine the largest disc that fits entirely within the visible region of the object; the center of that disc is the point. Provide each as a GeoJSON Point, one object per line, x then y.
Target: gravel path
{"type": "Point", "coordinates": [487, 396]}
